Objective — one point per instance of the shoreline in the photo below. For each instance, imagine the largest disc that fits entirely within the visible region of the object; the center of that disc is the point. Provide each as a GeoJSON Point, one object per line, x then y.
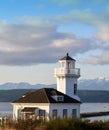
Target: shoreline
{"type": "Point", "coordinates": [94, 114]}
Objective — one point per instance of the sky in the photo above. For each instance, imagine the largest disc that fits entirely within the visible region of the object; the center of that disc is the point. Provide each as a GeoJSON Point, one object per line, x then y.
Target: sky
{"type": "Point", "coordinates": [35, 34]}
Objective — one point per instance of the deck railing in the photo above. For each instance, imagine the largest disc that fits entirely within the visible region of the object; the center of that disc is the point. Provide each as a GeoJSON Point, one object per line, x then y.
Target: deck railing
{"type": "Point", "coordinates": [63, 71]}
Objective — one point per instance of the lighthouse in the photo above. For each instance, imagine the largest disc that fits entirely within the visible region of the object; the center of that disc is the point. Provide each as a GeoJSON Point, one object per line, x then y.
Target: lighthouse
{"type": "Point", "coordinates": [67, 76]}
{"type": "Point", "coordinates": [49, 103]}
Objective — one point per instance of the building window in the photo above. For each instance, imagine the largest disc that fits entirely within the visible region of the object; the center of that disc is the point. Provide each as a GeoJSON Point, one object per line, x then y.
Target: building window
{"type": "Point", "coordinates": [64, 113]}
{"type": "Point", "coordinates": [54, 113]}
{"type": "Point", "coordinates": [59, 98]}
{"type": "Point", "coordinates": [41, 113]}
{"type": "Point", "coordinates": [75, 88]}
{"type": "Point", "coordinates": [19, 113]}
{"type": "Point", "coordinates": [74, 112]}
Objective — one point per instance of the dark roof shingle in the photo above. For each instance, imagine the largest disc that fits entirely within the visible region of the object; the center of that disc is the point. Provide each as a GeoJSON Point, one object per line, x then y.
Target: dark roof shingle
{"type": "Point", "coordinates": [44, 95]}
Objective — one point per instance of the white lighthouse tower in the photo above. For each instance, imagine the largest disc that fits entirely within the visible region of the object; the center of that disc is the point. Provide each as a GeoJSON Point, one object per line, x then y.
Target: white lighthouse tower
{"type": "Point", "coordinates": [67, 76]}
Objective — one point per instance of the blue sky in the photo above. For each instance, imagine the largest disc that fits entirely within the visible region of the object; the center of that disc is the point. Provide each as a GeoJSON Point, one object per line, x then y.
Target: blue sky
{"type": "Point", "coordinates": [34, 35]}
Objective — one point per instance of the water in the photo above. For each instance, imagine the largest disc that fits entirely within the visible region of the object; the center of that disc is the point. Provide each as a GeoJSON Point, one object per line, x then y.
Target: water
{"type": "Point", "coordinates": [6, 109]}
{"type": "Point", "coordinates": [95, 107]}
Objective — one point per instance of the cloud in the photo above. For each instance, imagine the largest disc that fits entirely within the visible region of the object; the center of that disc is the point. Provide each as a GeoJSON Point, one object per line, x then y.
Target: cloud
{"type": "Point", "coordinates": [34, 40]}
{"type": "Point", "coordinates": [100, 38]}
{"type": "Point", "coordinates": [103, 32]}
{"type": "Point", "coordinates": [98, 20]}
{"type": "Point", "coordinates": [103, 59]}
{"type": "Point", "coordinates": [86, 16]}
{"type": "Point", "coordinates": [66, 2]}
{"type": "Point", "coordinates": [29, 43]}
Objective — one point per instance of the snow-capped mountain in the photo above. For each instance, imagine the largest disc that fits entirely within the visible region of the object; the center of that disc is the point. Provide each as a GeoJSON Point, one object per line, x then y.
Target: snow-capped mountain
{"type": "Point", "coordinates": [83, 84]}
{"type": "Point", "coordinates": [94, 84]}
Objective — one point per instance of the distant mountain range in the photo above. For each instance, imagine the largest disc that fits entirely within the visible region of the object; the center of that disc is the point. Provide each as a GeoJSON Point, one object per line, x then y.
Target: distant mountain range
{"type": "Point", "coordinates": [94, 84]}
{"type": "Point", "coordinates": [94, 90]}
{"type": "Point", "coordinates": [24, 85]}
{"type": "Point", "coordinates": [84, 84]}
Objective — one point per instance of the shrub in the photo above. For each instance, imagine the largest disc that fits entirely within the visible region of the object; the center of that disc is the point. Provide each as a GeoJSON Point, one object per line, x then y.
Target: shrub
{"type": "Point", "coordinates": [57, 124]}
{"type": "Point", "coordinates": [67, 124]}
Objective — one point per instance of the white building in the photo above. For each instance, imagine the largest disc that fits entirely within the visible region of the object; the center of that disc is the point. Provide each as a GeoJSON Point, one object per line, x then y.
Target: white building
{"type": "Point", "coordinates": [48, 103]}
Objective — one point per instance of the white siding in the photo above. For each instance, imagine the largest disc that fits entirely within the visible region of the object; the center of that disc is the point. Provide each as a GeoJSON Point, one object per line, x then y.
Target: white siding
{"type": "Point", "coordinates": [48, 109]}
{"type": "Point", "coordinates": [68, 106]}
{"type": "Point", "coordinates": [70, 86]}
{"type": "Point", "coordinates": [17, 106]}
{"type": "Point", "coordinates": [61, 84]}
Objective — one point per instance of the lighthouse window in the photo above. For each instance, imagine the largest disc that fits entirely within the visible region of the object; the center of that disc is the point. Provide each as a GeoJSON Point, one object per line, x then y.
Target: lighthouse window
{"type": "Point", "coordinates": [69, 67]}
{"type": "Point", "coordinates": [75, 88]}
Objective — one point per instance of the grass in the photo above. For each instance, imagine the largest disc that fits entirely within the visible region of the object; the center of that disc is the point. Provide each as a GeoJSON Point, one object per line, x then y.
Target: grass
{"type": "Point", "coordinates": [57, 124]}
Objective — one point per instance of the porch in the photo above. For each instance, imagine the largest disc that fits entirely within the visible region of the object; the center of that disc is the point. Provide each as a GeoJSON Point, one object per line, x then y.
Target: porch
{"type": "Point", "coordinates": [32, 113]}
